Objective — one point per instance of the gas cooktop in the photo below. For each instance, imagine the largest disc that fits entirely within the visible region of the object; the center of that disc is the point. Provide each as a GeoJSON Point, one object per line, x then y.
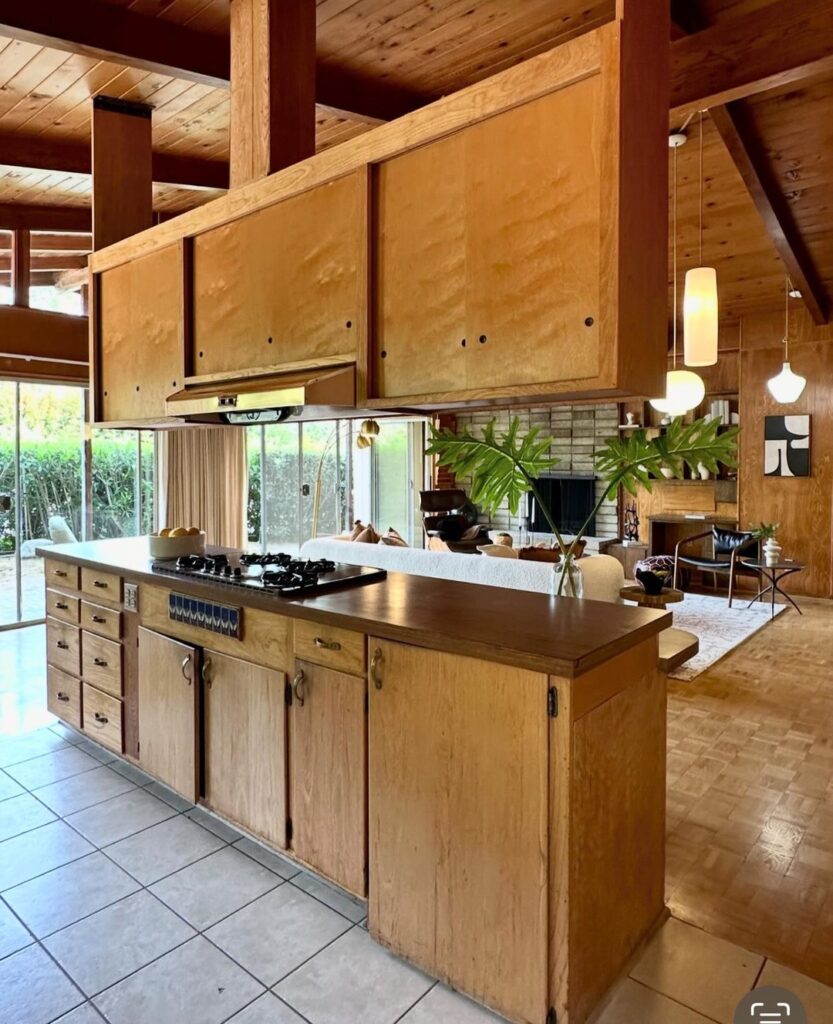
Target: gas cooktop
{"type": "Point", "coordinates": [279, 574]}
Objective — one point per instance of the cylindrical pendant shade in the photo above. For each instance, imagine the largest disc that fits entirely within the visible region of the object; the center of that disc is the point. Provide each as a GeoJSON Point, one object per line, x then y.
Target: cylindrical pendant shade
{"type": "Point", "coordinates": [684, 391]}
{"type": "Point", "coordinates": [700, 317]}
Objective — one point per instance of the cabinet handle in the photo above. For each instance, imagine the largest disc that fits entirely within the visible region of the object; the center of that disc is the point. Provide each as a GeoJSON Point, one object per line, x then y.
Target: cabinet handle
{"type": "Point", "coordinates": [376, 663]}
{"type": "Point", "coordinates": [101, 584]}
{"type": "Point", "coordinates": [100, 720]}
{"type": "Point", "coordinates": [62, 644]}
{"type": "Point", "coordinates": [100, 662]}
{"type": "Point", "coordinates": [64, 697]}
{"type": "Point", "coordinates": [329, 645]}
{"type": "Point", "coordinates": [62, 605]}
{"type": "Point", "coordinates": [299, 687]}
{"type": "Point", "coordinates": [61, 572]}
{"type": "Point", "coordinates": [98, 618]}
{"type": "Point", "coordinates": [206, 670]}
{"type": "Point", "coordinates": [186, 661]}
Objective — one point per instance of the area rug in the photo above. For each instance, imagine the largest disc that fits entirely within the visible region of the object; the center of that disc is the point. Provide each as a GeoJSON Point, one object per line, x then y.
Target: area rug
{"type": "Point", "coordinates": [719, 628]}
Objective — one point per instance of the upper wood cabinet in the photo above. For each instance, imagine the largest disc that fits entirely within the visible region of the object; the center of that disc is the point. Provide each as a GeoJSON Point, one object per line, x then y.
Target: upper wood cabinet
{"type": "Point", "coordinates": [487, 252]}
{"type": "Point", "coordinates": [138, 337]}
{"type": "Point", "coordinates": [285, 284]}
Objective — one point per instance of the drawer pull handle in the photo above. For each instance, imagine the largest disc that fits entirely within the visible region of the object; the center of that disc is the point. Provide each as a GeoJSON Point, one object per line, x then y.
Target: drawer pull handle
{"type": "Point", "coordinates": [100, 662]}
{"type": "Point", "coordinates": [328, 645]}
{"type": "Point", "coordinates": [186, 675]}
{"type": "Point", "coordinates": [63, 697]}
{"type": "Point", "coordinates": [299, 687]}
{"type": "Point", "coordinates": [62, 644]}
{"type": "Point", "coordinates": [62, 605]}
{"type": "Point", "coordinates": [99, 618]}
{"type": "Point", "coordinates": [62, 573]}
{"type": "Point", "coordinates": [100, 720]}
{"type": "Point", "coordinates": [205, 671]}
{"type": "Point", "coordinates": [101, 584]}
{"type": "Point", "coordinates": [375, 666]}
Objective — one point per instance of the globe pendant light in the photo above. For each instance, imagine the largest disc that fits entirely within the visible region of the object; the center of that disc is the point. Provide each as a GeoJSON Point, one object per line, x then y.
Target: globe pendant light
{"type": "Point", "coordinates": [700, 301]}
{"type": "Point", "coordinates": [787, 386]}
{"type": "Point", "coordinates": [684, 390]}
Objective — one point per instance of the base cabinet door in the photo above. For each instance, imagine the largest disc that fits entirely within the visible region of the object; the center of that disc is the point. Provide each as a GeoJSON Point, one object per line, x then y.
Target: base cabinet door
{"type": "Point", "coordinates": [458, 825]}
{"type": "Point", "coordinates": [328, 785]}
{"type": "Point", "coordinates": [245, 744]}
{"type": "Point", "coordinates": [168, 711]}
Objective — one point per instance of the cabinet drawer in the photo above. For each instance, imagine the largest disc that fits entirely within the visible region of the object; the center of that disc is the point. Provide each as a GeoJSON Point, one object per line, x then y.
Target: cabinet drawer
{"type": "Point", "coordinates": [101, 663]}
{"type": "Point", "coordinates": [63, 696]}
{"type": "Point", "coordinates": [102, 718]}
{"type": "Point", "coordinates": [330, 646]}
{"type": "Point", "coordinates": [63, 646]}
{"type": "Point", "coordinates": [101, 584]}
{"type": "Point", "coordinates": [60, 574]}
{"type": "Point", "coordinates": [62, 606]}
{"type": "Point", "coordinates": [101, 620]}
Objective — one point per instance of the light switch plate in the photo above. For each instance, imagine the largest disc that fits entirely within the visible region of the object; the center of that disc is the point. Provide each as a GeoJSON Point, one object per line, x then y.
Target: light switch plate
{"type": "Point", "coordinates": [131, 597]}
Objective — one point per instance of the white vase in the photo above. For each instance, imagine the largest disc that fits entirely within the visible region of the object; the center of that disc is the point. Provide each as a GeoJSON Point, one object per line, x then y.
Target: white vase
{"type": "Point", "coordinates": [772, 551]}
{"type": "Point", "coordinates": [704, 473]}
{"type": "Point", "coordinates": [567, 579]}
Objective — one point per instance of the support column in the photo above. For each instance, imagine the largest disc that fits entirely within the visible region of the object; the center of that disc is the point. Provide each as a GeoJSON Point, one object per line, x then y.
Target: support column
{"type": "Point", "coordinates": [272, 86]}
{"type": "Point", "coordinates": [21, 265]}
{"type": "Point", "coordinates": [122, 170]}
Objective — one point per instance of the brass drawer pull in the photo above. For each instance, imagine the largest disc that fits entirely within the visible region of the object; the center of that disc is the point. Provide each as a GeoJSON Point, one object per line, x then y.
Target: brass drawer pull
{"type": "Point", "coordinates": [186, 661]}
{"type": "Point", "coordinates": [63, 696]}
{"type": "Point", "coordinates": [62, 605]}
{"type": "Point", "coordinates": [100, 662]}
{"type": "Point", "coordinates": [62, 644]}
{"type": "Point", "coordinates": [100, 719]}
{"type": "Point", "coordinates": [205, 671]}
{"type": "Point", "coordinates": [376, 663]}
{"type": "Point", "coordinates": [299, 686]}
{"type": "Point", "coordinates": [101, 584]}
{"type": "Point", "coordinates": [329, 645]}
{"type": "Point", "coordinates": [99, 618]}
{"type": "Point", "coordinates": [62, 573]}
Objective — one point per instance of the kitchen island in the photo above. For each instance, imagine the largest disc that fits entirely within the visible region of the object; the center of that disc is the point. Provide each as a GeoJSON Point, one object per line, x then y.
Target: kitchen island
{"type": "Point", "coordinates": [486, 766]}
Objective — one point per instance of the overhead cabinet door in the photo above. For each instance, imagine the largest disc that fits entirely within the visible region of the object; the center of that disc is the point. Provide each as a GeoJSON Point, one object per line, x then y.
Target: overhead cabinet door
{"type": "Point", "coordinates": [284, 284]}
{"type": "Point", "coordinates": [139, 344]}
{"type": "Point", "coordinates": [487, 253]}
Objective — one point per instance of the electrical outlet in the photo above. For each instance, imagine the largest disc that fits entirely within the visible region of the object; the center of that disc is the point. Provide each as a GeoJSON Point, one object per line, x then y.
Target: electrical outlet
{"type": "Point", "coordinates": [131, 597]}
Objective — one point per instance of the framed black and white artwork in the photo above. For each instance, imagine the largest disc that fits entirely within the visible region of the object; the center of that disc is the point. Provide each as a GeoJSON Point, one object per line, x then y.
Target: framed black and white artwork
{"type": "Point", "coordinates": [787, 446]}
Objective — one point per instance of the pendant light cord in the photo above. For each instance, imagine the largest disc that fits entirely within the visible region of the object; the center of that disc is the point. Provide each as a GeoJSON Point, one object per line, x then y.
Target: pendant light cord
{"type": "Point", "coordinates": [674, 229]}
{"type": "Point", "coordinates": [701, 188]}
{"type": "Point", "coordinates": [787, 320]}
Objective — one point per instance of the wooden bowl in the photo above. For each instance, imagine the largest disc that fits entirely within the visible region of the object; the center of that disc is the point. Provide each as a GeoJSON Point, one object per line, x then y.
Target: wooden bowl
{"type": "Point", "coordinates": [552, 555]}
{"type": "Point", "coordinates": [175, 547]}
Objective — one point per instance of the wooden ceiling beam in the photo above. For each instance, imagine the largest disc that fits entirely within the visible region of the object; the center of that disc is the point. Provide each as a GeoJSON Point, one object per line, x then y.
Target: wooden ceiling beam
{"type": "Point", "coordinates": [753, 165]}
{"type": "Point", "coordinates": [752, 53]}
{"type": "Point", "coordinates": [117, 34]}
{"type": "Point", "coordinates": [44, 218]}
{"type": "Point", "coordinates": [40, 152]}
{"type": "Point", "coordinates": [51, 241]}
{"type": "Point", "coordinates": [44, 262]}
{"type": "Point", "coordinates": [36, 334]}
{"type": "Point", "coordinates": [19, 264]}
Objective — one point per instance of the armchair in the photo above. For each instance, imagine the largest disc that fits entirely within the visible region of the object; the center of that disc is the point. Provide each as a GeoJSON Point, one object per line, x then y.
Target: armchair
{"type": "Point", "coordinates": [728, 547]}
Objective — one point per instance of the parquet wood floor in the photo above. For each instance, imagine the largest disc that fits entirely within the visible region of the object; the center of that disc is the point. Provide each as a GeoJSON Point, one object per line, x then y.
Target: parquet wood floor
{"type": "Point", "coordinates": [750, 793]}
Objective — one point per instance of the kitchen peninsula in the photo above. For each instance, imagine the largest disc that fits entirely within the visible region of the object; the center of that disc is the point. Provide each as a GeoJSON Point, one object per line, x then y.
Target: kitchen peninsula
{"type": "Point", "coordinates": [487, 769]}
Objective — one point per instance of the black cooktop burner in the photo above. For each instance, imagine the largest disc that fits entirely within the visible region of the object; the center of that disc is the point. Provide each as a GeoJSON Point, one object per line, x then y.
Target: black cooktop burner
{"type": "Point", "coordinates": [274, 573]}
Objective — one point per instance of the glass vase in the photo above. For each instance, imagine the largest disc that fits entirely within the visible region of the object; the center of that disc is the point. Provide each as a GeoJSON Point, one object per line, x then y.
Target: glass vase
{"type": "Point", "coordinates": [567, 578]}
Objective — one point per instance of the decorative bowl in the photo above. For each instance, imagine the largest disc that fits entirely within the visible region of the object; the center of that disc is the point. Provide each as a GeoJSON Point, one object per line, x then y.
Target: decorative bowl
{"type": "Point", "coordinates": [175, 547]}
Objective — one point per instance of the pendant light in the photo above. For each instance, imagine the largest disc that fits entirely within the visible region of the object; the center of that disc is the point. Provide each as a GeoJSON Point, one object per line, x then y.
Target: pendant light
{"type": "Point", "coordinates": [787, 386]}
{"type": "Point", "coordinates": [684, 390]}
{"type": "Point", "coordinates": [700, 300]}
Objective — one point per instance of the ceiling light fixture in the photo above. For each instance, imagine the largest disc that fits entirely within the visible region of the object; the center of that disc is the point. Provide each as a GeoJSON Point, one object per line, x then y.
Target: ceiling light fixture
{"type": "Point", "coordinates": [684, 390]}
{"type": "Point", "coordinates": [787, 386]}
{"type": "Point", "coordinates": [700, 300]}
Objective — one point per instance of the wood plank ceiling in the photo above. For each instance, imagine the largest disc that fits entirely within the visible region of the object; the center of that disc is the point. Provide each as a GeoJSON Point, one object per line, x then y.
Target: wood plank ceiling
{"type": "Point", "coordinates": [426, 49]}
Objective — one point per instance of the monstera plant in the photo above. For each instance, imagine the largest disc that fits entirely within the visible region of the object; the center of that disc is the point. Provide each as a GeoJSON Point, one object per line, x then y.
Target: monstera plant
{"type": "Point", "coordinates": [504, 468]}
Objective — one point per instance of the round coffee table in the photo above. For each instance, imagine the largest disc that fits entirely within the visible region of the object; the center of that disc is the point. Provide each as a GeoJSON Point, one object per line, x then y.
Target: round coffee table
{"type": "Point", "coordinates": [636, 592]}
{"type": "Point", "coordinates": [773, 574]}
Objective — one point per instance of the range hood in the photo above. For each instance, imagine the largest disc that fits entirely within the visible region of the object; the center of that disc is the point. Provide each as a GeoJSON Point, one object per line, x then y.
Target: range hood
{"type": "Point", "coordinates": [318, 393]}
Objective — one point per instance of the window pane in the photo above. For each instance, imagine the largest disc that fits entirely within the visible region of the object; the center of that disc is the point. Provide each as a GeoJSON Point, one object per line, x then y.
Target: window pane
{"type": "Point", "coordinates": [253, 523]}
{"type": "Point", "coordinates": [325, 477]}
{"type": "Point", "coordinates": [147, 440]}
{"type": "Point", "coordinates": [56, 300]}
{"type": "Point", "coordinates": [6, 295]}
{"type": "Point", "coordinates": [115, 465]}
{"type": "Point", "coordinates": [394, 468]}
{"type": "Point", "coordinates": [281, 484]}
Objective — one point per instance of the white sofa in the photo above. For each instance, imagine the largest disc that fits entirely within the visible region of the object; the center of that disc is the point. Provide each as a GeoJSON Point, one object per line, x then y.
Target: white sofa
{"type": "Point", "coordinates": [603, 575]}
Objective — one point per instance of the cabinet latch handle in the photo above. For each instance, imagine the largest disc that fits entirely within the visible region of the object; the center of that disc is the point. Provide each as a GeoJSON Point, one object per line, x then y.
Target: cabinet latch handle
{"type": "Point", "coordinates": [64, 646]}
{"type": "Point", "coordinates": [299, 687]}
{"type": "Point", "coordinates": [62, 605]}
{"type": "Point", "coordinates": [329, 645]}
{"type": "Point", "coordinates": [63, 697]}
{"type": "Point", "coordinates": [100, 583]}
{"type": "Point", "coordinates": [186, 661]}
{"type": "Point", "coordinates": [100, 719]}
{"type": "Point", "coordinates": [100, 662]}
{"type": "Point", "coordinates": [205, 671]}
{"type": "Point", "coordinates": [376, 663]}
{"type": "Point", "coordinates": [99, 618]}
{"type": "Point", "coordinates": [61, 573]}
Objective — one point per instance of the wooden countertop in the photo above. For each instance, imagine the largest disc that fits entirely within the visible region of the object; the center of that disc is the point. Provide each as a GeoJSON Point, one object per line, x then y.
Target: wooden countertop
{"type": "Point", "coordinates": [561, 636]}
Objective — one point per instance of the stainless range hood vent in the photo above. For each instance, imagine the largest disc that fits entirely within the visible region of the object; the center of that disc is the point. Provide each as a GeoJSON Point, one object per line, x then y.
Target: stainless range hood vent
{"type": "Point", "coordinates": [313, 394]}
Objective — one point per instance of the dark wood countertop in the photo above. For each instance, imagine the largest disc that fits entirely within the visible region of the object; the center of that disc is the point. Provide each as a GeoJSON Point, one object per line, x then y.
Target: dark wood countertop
{"type": "Point", "coordinates": [561, 636]}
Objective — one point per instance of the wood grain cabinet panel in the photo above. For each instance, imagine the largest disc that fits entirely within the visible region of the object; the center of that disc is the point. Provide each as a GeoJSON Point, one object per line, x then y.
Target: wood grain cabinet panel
{"type": "Point", "coordinates": [327, 772]}
{"type": "Point", "coordinates": [331, 646]}
{"type": "Point", "coordinates": [285, 284]}
{"type": "Point", "coordinates": [102, 719]}
{"type": "Point", "coordinates": [101, 663]}
{"type": "Point", "coordinates": [98, 619]}
{"type": "Point", "coordinates": [458, 776]}
{"type": "Point", "coordinates": [168, 711]}
{"type": "Point", "coordinates": [63, 646]}
{"type": "Point", "coordinates": [139, 341]}
{"type": "Point", "coordinates": [61, 574]}
{"type": "Point", "coordinates": [63, 696]}
{"type": "Point", "coordinates": [62, 606]}
{"type": "Point", "coordinates": [245, 744]}
{"type": "Point", "coordinates": [99, 584]}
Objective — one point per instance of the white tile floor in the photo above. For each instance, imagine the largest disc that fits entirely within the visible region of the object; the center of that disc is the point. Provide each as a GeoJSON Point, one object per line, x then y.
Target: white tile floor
{"type": "Point", "coordinates": [121, 902]}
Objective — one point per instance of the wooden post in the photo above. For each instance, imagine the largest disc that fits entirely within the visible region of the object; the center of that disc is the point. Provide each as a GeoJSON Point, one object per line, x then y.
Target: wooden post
{"type": "Point", "coordinates": [122, 170]}
{"type": "Point", "coordinates": [272, 86]}
{"type": "Point", "coordinates": [21, 266]}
